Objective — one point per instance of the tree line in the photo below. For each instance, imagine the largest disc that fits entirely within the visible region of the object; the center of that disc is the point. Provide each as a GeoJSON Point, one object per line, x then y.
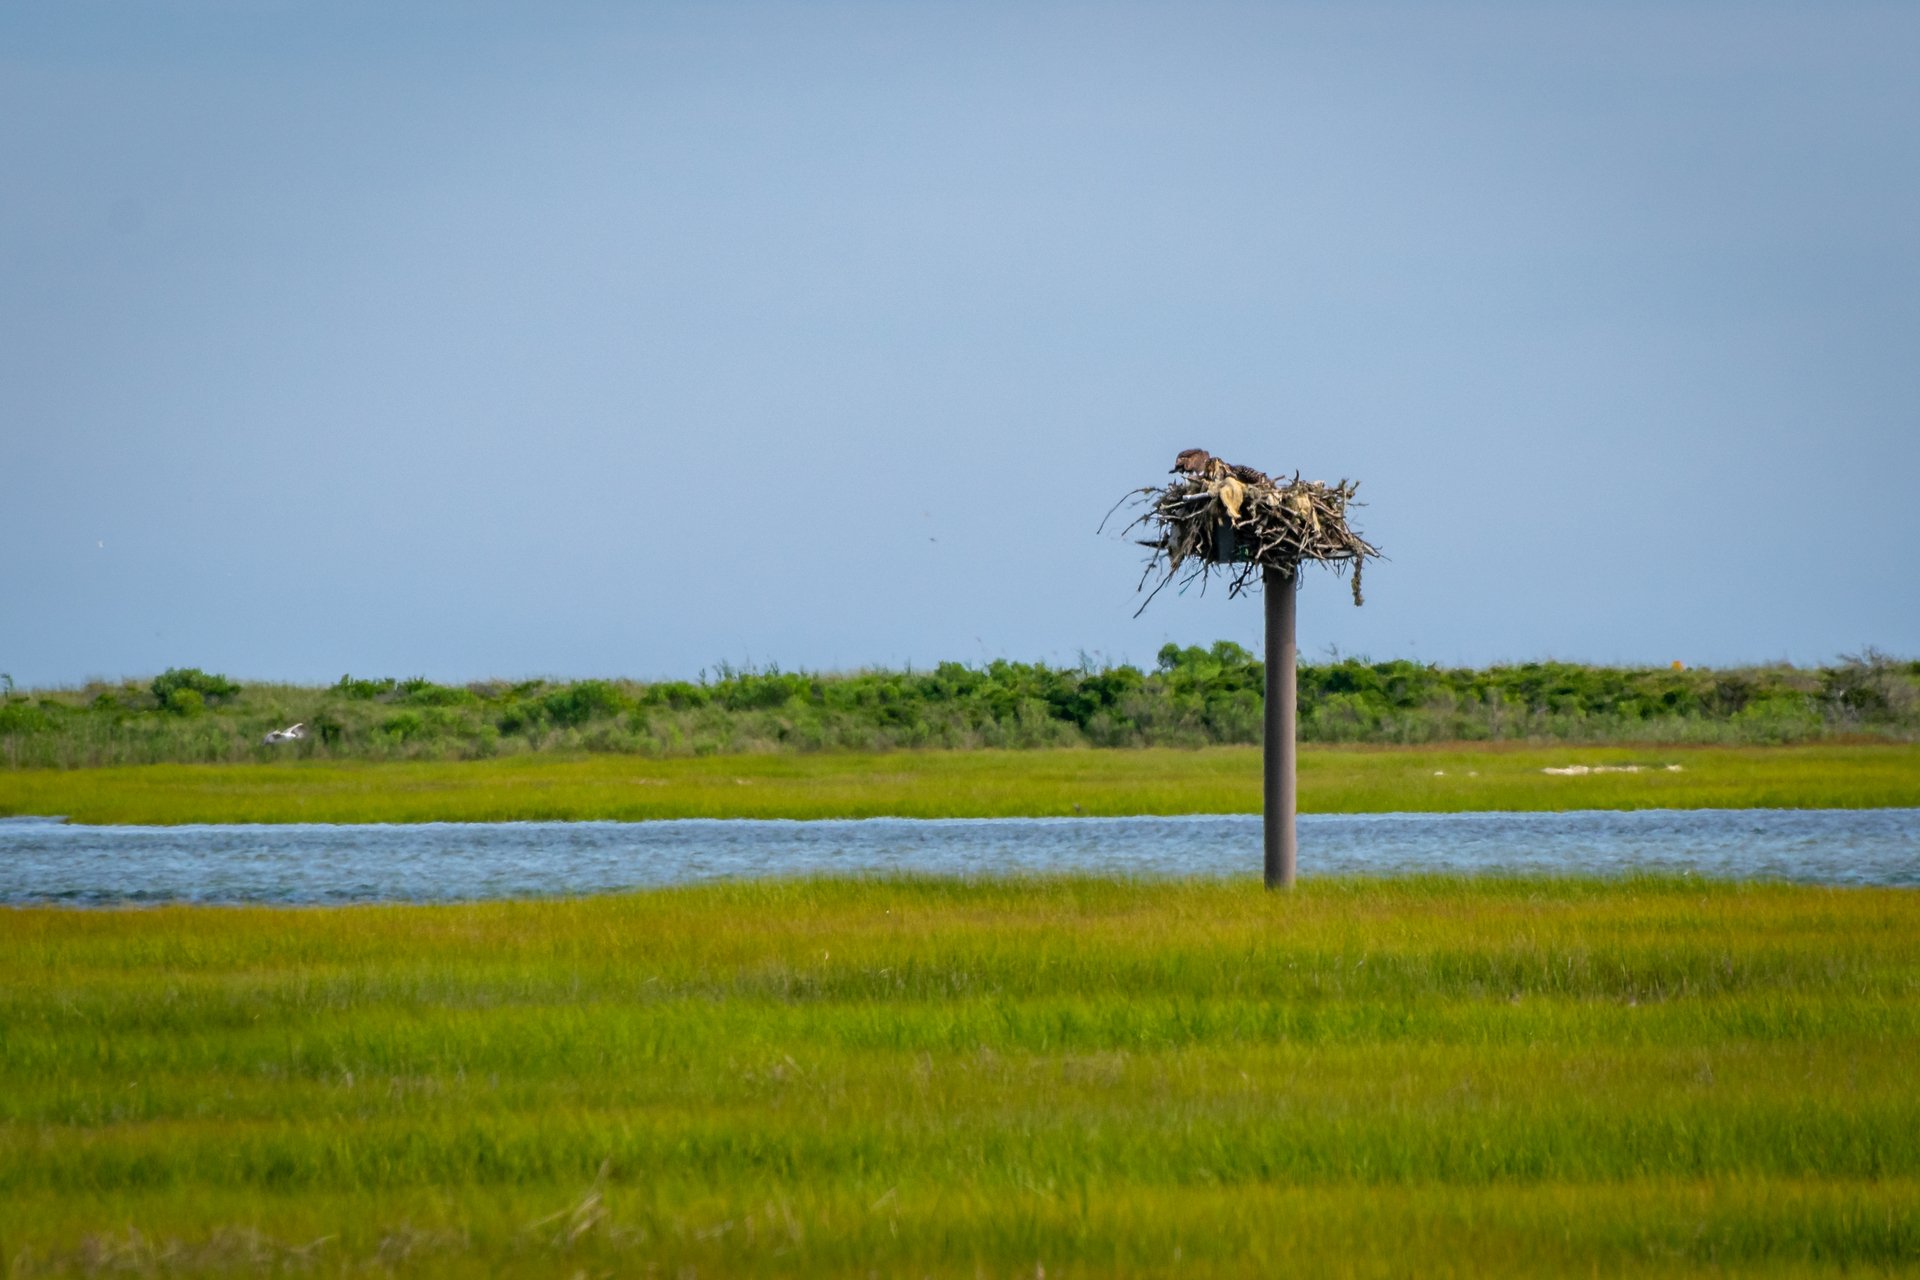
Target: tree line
{"type": "Point", "coordinates": [1192, 696]}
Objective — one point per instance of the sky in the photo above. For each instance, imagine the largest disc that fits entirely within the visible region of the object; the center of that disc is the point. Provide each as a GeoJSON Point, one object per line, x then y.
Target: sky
{"type": "Point", "coordinates": [479, 340]}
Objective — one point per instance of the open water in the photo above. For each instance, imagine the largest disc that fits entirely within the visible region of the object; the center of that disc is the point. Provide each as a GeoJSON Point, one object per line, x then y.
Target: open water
{"type": "Point", "coordinates": [44, 860]}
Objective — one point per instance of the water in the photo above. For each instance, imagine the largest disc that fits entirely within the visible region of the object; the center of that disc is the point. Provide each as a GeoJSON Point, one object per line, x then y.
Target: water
{"type": "Point", "coordinates": [44, 860]}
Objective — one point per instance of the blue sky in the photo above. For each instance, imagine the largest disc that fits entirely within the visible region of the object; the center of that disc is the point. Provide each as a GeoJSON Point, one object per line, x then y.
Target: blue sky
{"type": "Point", "coordinates": [574, 339]}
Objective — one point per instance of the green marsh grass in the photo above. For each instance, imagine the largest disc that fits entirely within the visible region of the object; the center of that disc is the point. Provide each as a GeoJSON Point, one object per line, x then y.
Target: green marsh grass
{"type": "Point", "coordinates": [970, 784]}
{"type": "Point", "coordinates": [1002, 1077]}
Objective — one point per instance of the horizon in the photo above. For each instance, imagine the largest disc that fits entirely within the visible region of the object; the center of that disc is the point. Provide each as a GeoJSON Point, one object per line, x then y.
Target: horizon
{"type": "Point", "coordinates": [720, 671]}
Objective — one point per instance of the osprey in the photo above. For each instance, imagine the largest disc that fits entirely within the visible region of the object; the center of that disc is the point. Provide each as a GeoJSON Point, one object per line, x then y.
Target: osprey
{"type": "Point", "coordinates": [1192, 461]}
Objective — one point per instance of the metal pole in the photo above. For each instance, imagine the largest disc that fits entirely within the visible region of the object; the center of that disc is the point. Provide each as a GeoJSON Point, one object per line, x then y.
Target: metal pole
{"type": "Point", "coordinates": [1282, 841]}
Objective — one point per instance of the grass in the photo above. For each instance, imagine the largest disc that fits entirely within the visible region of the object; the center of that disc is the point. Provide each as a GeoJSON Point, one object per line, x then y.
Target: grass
{"type": "Point", "coordinates": [1075, 1077]}
{"type": "Point", "coordinates": [969, 784]}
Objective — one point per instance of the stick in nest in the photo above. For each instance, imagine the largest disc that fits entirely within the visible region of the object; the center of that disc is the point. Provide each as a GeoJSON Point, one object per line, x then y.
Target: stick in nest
{"type": "Point", "coordinates": [1218, 516]}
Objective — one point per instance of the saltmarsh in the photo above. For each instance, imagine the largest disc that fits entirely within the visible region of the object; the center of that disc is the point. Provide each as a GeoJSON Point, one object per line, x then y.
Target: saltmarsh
{"type": "Point", "coordinates": [1089, 1077]}
{"type": "Point", "coordinates": [960, 784]}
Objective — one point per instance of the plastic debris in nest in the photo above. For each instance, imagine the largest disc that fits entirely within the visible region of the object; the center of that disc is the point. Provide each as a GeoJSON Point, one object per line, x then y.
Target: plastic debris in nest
{"type": "Point", "coordinates": [1242, 522]}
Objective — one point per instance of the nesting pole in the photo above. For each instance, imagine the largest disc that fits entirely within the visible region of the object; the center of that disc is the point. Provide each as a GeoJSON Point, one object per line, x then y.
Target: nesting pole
{"type": "Point", "coordinates": [1281, 733]}
{"type": "Point", "coordinates": [1253, 527]}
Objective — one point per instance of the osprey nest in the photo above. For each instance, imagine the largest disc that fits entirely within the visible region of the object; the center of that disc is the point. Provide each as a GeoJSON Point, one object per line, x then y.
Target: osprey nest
{"type": "Point", "coordinates": [1220, 516]}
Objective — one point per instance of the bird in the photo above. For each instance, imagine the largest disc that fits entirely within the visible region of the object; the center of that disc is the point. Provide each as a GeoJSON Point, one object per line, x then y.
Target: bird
{"type": "Point", "coordinates": [292, 733]}
{"type": "Point", "coordinates": [1192, 461]}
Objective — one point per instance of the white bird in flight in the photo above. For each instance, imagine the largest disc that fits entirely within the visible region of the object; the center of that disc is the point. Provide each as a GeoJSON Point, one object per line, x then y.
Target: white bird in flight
{"type": "Point", "coordinates": [292, 733]}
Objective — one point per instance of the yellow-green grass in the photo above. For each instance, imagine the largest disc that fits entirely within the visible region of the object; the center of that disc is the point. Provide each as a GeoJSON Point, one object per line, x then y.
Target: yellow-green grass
{"type": "Point", "coordinates": [1094, 1077]}
{"type": "Point", "coordinates": [970, 784]}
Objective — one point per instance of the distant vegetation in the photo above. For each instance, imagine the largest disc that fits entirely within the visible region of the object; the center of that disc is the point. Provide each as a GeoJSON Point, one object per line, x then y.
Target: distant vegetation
{"type": "Point", "coordinates": [1191, 697]}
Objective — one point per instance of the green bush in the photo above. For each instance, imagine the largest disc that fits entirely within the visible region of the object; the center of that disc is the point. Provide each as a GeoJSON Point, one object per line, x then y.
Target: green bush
{"type": "Point", "coordinates": [364, 690]}
{"type": "Point", "coordinates": [1777, 719]}
{"type": "Point", "coordinates": [405, 726]}
{"type": "Point", "coordinates": [576, 704]}
{"type": "Point", "coordinates": [677, 694]}
{"type": "Point", "coordinates": [521, 717]}
{"type": "Point", "coordinates": [171, 685]}
{"type": "Point", "coordinates": [424, 693]}
{"type": "Point", "coordinates": [21, 717]}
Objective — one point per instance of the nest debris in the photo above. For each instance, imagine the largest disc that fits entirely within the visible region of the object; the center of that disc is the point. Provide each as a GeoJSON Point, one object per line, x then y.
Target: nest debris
{"type": "Point", "coordinates": [1242, 522]}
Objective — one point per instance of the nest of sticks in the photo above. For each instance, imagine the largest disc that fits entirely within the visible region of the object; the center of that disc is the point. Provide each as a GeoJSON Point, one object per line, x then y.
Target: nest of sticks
{"type": "Point", "coordinates": [1218, 516]}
